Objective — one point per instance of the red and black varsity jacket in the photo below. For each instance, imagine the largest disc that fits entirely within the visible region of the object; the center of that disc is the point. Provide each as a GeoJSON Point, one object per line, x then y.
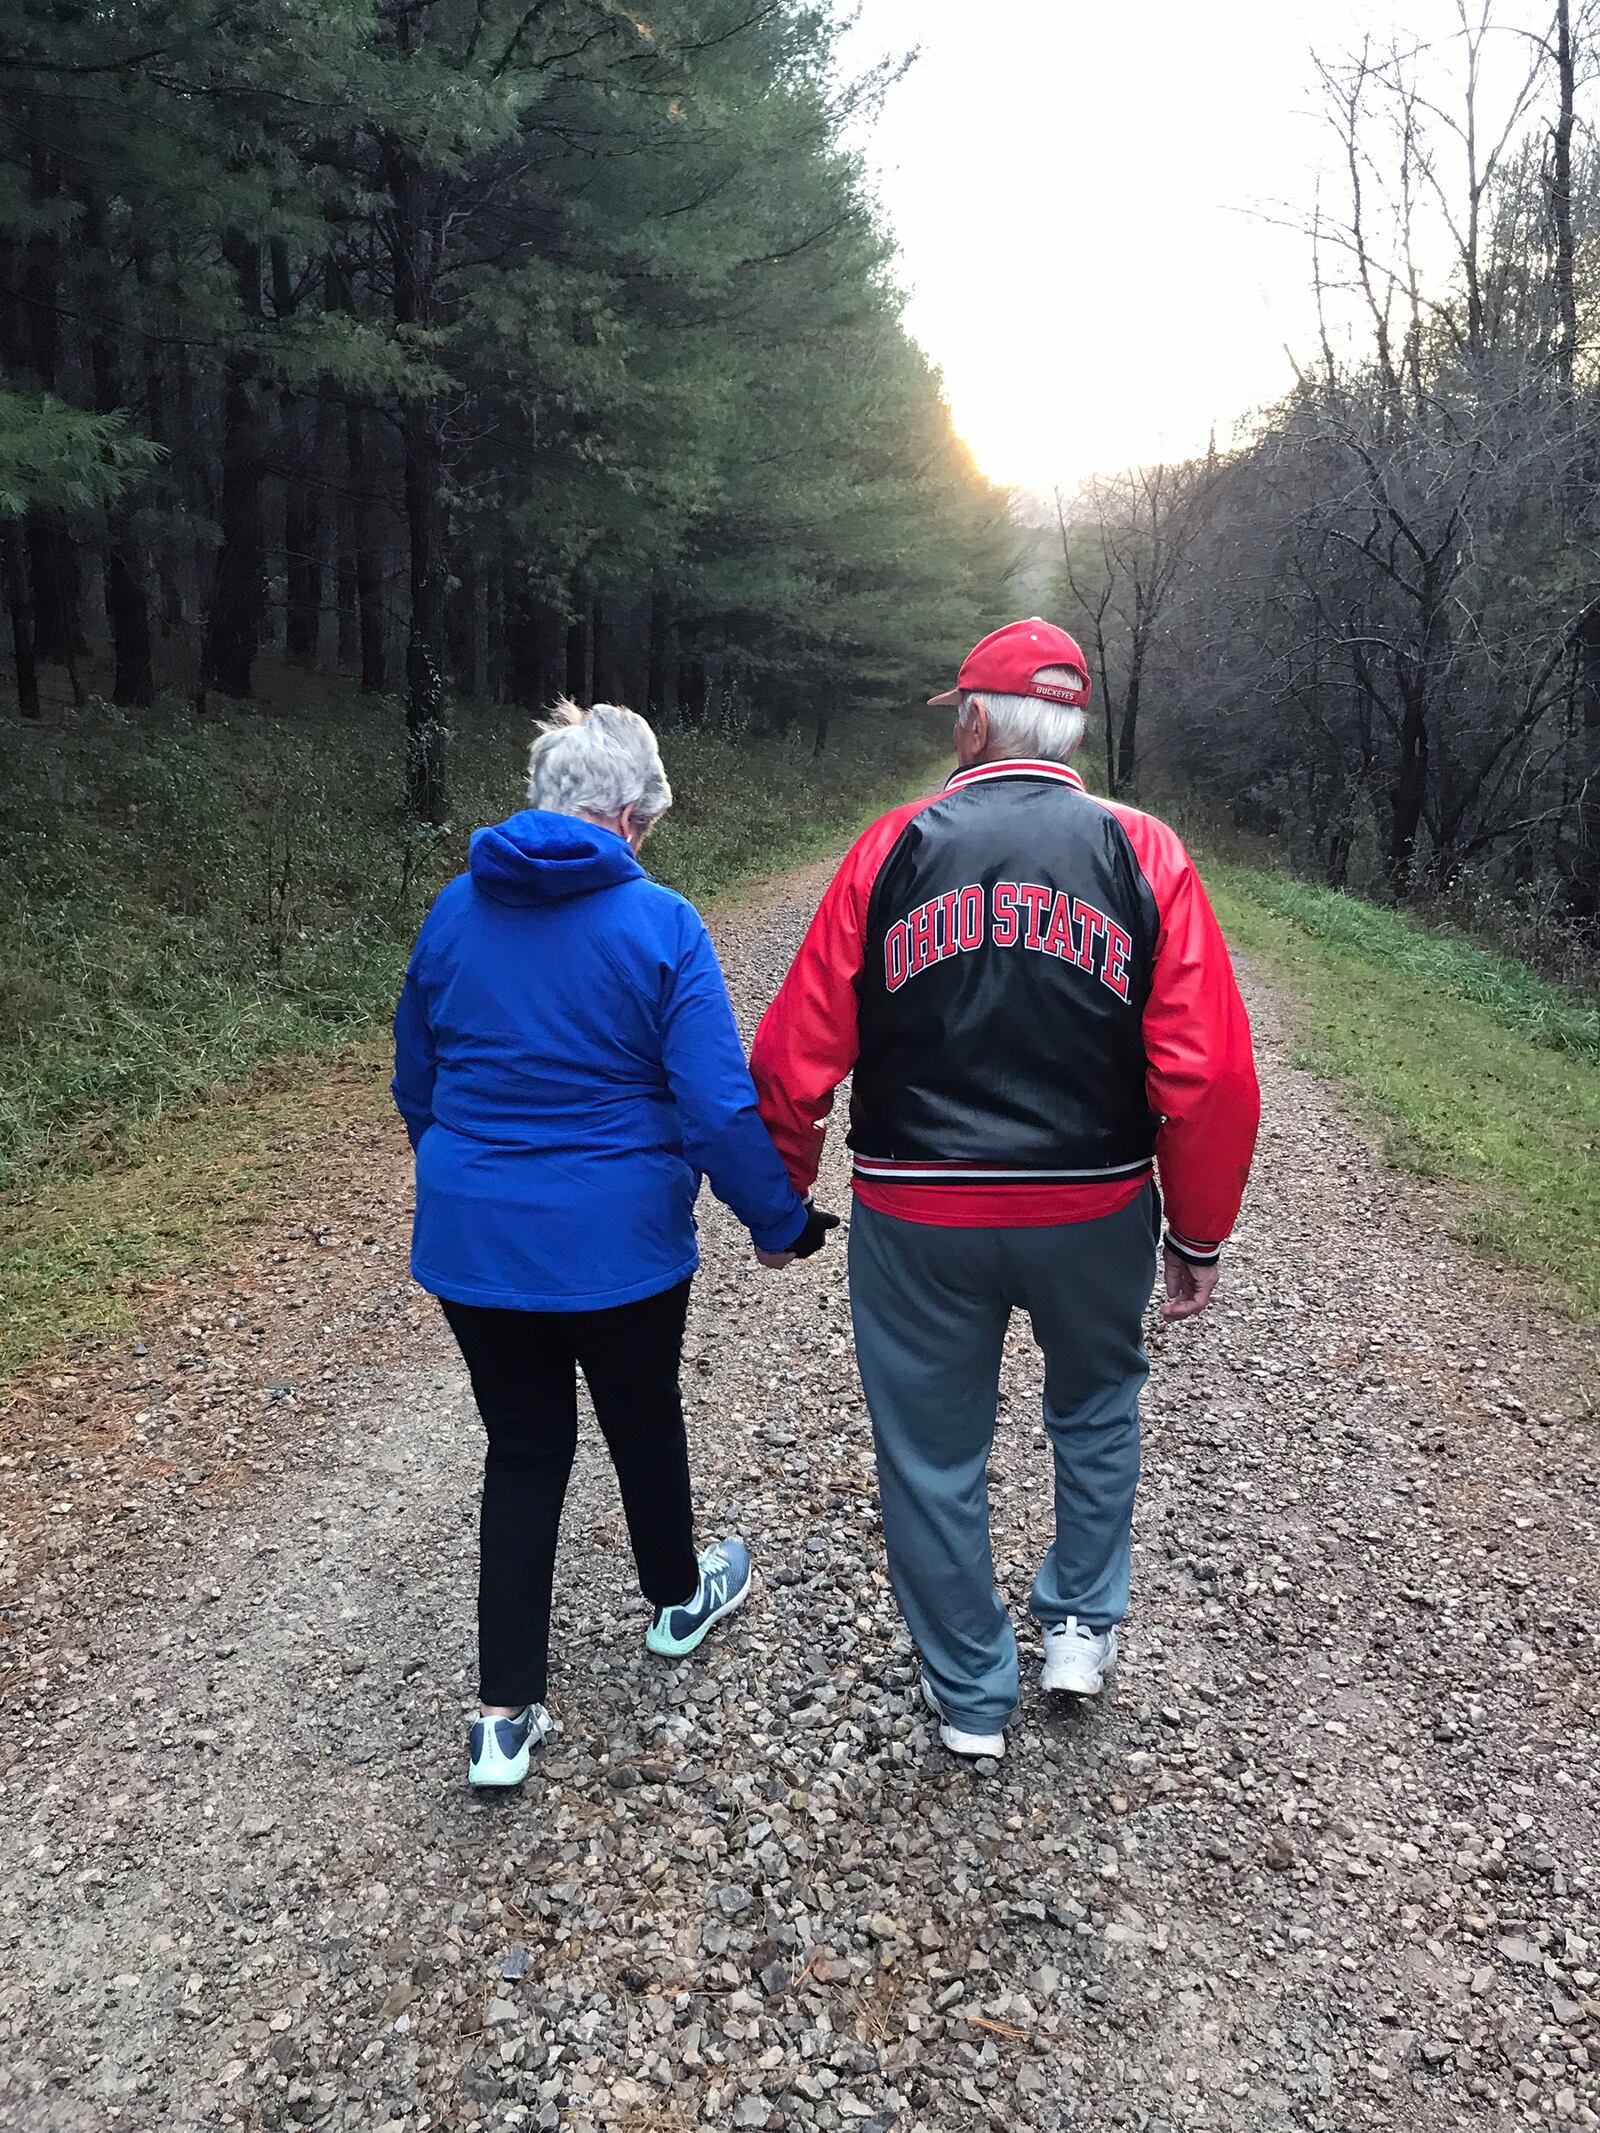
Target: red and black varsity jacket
{"type": "Point", "coordinates": [1036, 1000]}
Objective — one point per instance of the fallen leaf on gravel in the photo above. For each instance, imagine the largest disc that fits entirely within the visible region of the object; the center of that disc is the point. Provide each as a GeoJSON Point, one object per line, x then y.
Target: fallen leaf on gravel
{"type": "Point", "coordinates": [998, 2029]}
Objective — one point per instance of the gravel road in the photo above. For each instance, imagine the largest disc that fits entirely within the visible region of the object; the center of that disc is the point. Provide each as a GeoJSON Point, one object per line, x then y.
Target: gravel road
{"type": "Point", "coordinates": [1326, 1859]}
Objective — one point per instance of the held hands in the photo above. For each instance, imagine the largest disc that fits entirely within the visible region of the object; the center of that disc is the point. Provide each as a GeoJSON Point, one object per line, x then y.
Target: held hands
{"type": "Point", "coordinates": [810, 1239]}
{"type": "Point", "coordinates": [1189, 1287]}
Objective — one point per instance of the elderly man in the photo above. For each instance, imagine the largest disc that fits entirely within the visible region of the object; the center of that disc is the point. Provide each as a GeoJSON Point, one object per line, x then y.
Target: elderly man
{"type": "Point", "coordinates": [1037, 1004]}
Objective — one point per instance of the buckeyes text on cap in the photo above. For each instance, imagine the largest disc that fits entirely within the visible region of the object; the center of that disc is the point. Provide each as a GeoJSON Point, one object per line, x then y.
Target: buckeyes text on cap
{"type": "Point", "coordinates": [1008, 659]}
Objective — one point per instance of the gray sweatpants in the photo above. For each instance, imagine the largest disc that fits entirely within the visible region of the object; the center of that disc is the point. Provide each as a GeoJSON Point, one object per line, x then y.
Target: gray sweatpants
{"type": "Point", "coordinates": [931, 1308]}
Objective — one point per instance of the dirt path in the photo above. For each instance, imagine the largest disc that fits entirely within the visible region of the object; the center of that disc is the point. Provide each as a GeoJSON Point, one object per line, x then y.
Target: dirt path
{"type": "Point", "coordinates": [1327, 1859]}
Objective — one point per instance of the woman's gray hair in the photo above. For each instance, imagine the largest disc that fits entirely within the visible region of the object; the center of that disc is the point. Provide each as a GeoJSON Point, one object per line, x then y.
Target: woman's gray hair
{"type": "Point", "coordinates": [597, 762]}
{"type": "Point", "coordinates": [1027, 725]}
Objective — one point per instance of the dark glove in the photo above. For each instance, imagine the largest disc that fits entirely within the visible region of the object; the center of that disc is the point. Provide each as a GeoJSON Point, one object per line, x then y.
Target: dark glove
{"type": "Point", "coordinates": [818, 1224]}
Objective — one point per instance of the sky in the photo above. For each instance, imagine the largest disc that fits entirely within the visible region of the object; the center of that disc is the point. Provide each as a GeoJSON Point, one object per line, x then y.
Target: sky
{"type": "Point", "coordinates": [1090, 198]}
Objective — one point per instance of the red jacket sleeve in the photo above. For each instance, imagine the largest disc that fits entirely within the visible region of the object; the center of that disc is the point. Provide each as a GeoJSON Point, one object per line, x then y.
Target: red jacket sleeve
{"type": "Point", "coordinates": [1201, 1078]}
{"type": "Point", "coordinates": [808, 1038]}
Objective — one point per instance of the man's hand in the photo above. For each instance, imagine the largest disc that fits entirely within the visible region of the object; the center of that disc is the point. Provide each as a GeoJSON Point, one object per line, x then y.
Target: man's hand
{"type": "Point", "coordinates": [1189, 1287]}
{"type": "Point", "coordinates": [810, 1239]}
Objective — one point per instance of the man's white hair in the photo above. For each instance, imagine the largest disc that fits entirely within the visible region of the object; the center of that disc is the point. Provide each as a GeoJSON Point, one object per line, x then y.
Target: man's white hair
{"type": "Point", "coordinates": [1027, 725]}
{"type": "Point", "coordinates": [597, 762]}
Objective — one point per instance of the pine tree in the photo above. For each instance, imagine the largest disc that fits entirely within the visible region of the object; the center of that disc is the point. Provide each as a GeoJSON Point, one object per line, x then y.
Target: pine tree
{"type": "Point", "coordinates": [558, 345]}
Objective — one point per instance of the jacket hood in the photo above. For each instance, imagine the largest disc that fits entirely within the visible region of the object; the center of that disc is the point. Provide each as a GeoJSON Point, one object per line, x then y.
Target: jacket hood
{"type": "Point", "coordinates": [538, 857]}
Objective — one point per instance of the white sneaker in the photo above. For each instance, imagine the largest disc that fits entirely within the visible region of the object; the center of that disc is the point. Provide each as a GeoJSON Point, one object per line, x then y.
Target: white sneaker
{"type": "Point", "coordinates": [1078, 1660]}
{"type": "Point", "coordinates": [499, 1750]}
{"type": "Point", "coordinates": [959, 1743]}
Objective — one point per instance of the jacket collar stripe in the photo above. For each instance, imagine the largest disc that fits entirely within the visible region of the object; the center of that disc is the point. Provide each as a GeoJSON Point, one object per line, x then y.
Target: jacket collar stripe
{"type": "Point", "coordinates": [980, 773]}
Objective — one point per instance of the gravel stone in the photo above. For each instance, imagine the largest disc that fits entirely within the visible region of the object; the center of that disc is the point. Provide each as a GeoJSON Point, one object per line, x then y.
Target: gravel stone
{"type": "Point", "coordinates": [1364, 1643]}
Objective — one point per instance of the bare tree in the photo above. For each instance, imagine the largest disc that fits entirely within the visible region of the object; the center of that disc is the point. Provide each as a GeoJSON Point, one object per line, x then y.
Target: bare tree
{"type": "Point", "coordinates": [1384, 654]}
{"type": "Point", "coordinates": [1140, 526]}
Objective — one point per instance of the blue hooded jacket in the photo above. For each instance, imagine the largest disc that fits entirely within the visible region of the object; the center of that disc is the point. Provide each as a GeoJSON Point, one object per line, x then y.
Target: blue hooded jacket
{"type": "Point", "coordinates": [568, 1068]}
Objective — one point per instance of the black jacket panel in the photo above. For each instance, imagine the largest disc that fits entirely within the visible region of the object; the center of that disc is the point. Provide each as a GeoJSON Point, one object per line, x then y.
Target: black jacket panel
{"type": "Point", "coordinates": [1011, 940]}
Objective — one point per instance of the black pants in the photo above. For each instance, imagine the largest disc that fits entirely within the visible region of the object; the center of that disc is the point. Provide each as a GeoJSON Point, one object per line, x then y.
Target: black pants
{"type": "Point", "coordinates": [523, 1366]}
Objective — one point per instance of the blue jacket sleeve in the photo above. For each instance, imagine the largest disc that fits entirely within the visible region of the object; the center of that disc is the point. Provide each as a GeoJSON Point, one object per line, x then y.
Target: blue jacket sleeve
{"type": "Point", "coordinates": [414, 1059]}
{"type": "Point", "coordinates": [722, 1131]}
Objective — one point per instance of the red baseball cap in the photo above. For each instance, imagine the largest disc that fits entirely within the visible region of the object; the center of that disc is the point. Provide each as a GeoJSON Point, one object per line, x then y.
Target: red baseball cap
{"type": "Point", "coordinates": [1008, 660]}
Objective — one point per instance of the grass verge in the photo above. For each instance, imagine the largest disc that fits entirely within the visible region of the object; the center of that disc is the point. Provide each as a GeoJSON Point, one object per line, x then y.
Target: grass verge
{"type": "Point", "coordinates": [187, 1190]}
{"type": "Point", "coordinates": [1470, 1067]}
{"type": "Point", "coordinates": [197, 909]}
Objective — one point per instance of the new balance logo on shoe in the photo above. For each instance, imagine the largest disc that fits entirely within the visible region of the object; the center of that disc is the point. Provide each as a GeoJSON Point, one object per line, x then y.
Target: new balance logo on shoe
{"type": "Point", "coordinates": [724, 1585]}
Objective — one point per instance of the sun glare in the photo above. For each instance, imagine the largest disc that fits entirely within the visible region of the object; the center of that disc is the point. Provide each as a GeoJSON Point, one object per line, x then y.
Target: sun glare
{"type": "Point", "coordinates": [1035, 441]}
{"type": "Point", "coordinates": [1005, 448]}
{"type": "Point", "coordinates": [1104, 281]}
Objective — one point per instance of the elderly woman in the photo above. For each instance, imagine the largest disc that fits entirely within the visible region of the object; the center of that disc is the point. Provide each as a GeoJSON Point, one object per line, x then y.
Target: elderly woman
{"type": "Point", "coordinates": [568, 1069]}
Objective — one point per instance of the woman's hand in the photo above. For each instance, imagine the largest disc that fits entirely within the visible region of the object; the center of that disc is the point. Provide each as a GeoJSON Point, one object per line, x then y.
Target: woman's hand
{"type": "Point", "coordinates": [810, 1239]}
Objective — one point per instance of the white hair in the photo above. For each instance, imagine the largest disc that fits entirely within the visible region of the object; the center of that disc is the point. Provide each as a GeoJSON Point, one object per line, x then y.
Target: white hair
{"type": "Point", "coordinates": [597, 762]}
{"type": "Point", "coordinates": [1027, 725]}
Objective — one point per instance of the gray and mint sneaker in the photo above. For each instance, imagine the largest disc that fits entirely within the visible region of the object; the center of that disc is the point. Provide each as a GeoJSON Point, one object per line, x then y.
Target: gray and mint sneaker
{"type": "Point", "coordinates": [499, 1749]}
{"type": "Point", "coordinates": [724, 1585]}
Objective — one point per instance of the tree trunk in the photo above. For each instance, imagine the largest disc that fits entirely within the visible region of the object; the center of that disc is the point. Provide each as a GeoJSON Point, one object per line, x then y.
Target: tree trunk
{"type": "Point", "coordinates": [1584, 878]}
{"type": "Point", "coordinates": [519, 625]}
{"type": "Point", "coordinates": [340, 520]}
{"type": "Point", "coordinates": [521, 666]}
{"type": "Point", "coordinates": [599, 654]}
{"type": "Point", "coordinates": [128, 613]}
{"type": "Point", "coordinates": [238, 593]}
{"type": "Point", "coordinates": [300, 594]}
{"type": "Point", "coordinates": [1127, 770]}
{"type": "Point", "coordinates": [691, 685]}
{"type": "Point", "coordinates": [169, 606]}
{"type": "Point", "coordinates": [302, 568]}
{"type": "Point", "coordinates": [14, 573]}
{"type": "Point", "coordinates": [299, 610]}
{"type": "Point", "coordinates": [426, 789]}
{"type": "Point", "coordinates": [464, 628]}
{"type": "Point", "coordinates": [1336, 869]}
{"type": "Point", "coordinates": [133, 682]}
{"type": "Point", "coordinates": [497, 632]}
{"type": "Point", "coordinates": [55, 577]}
{"type": "Point", "coordinates": [169, 593]}
{"type": "Point", "coordinates": [578, 659]}
{"type": "Point", "coordinates": [367, 563]}
{"type": "Point", "coordinates": [199, 506]}
{"type": "Point", "coordinates": [348, 646]}
{"type": "Point", "coordinates": [535, 646]}
{"type": "Point", "coordinates": [308, 525]}
{"type": "Point", "coordinates": [1566, 342]}
{"type": "Point", "coordinates": [657, 705]}
{"type": "Point", "coordinates": [1409, 792]}
{"type": "Point", "coordinates": [1108, 709]}
{"type": "Point", "coordinates": [58, 590]}
{"type": "Point", "coordinates": [475, 667]}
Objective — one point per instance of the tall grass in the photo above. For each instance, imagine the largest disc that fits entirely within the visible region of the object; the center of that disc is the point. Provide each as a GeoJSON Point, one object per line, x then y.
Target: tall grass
{"type": "Point", "coordinates": [1471, 1068]}
{"type": "Point", "coordinates": [1507, 991]}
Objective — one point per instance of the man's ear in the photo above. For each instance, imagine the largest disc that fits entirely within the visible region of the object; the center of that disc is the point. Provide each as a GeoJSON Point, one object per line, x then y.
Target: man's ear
{"type": "Point", "coordinates": [972, 732]}
{"type": "Point", "coordinates": [625, 823]}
